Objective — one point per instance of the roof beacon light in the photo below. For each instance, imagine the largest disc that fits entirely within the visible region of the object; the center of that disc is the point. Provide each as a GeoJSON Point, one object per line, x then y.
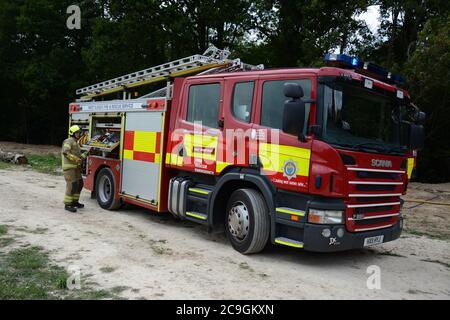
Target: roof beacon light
{"type": "Point", "coordinates": [342, 60]}
{"type": "Point", "coordinates": [366, 68]}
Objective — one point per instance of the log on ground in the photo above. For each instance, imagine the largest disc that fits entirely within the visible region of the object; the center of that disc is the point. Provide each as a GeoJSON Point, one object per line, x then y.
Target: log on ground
{"type": "Point", "coordinates": [13, 157]}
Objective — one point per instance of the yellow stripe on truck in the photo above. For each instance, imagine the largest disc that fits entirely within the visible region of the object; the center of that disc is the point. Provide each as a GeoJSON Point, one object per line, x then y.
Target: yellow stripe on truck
{"type": "Point", "coordinates": [200, 191]}
{"type": "Point", "coordinates": [410, 167]}
{"type": "Point", "coordinates": [203, 141]}
{"type": "Point", "coordinates": [191, 214]}
{"type": "Point", "coordinates": [274, 156]}
{"type": "Point", "coordinates": [220, 166]}
{"type": "Point", "coordinates": [128, 154]}
{"type": "Point", "coordinates": [300, 246]}
{"type": "Point", "coordinates": [292, 212]}
{"type": "Point", "coordinates": [145, 141]}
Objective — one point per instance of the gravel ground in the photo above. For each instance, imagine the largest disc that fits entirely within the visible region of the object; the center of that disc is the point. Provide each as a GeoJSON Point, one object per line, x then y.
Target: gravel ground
{"type": "Point", "coordinates": [153, 256]}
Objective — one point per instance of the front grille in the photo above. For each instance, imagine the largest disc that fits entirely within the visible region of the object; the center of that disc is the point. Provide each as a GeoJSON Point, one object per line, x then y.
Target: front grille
{"type": "Point", "coordinates": [374, 199]}
{"type": "Point", "coordinates": [373, 193]}
{"type": "Point", "coordinates": [375, 187]}
{"type": "Point", "coordinates": [372, 221]}
{"type": "Point", "coordinates": [379, 175]}
{"type": "Point", "coordinates": [373, 209]}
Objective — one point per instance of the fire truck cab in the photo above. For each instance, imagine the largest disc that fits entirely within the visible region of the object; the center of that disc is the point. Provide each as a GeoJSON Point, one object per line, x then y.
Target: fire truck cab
{"type": "Point", "coordinates": [315, 159]}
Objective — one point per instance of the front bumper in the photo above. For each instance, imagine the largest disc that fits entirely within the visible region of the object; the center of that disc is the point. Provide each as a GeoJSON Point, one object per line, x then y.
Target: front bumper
{"type": "Point", "coordinates": [313, 239]}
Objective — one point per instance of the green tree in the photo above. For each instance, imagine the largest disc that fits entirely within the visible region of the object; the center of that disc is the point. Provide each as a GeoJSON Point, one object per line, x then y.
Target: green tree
{"type": "Point", "coordinates": [428, 71]}
{"type": "Point", "coordinates": [299, 33]}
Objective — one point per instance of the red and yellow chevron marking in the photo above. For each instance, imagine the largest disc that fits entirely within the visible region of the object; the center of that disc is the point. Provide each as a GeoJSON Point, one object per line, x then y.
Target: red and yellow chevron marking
{"type": "Point", "coordinates": [142, 146]}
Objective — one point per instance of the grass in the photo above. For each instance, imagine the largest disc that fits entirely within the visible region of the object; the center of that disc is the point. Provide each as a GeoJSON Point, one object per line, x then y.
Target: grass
{"type": "Point", "coordinates": [3, 229]}
{"type": "Point", "coordinates": [414, 291]}
{"type": "Point", "coordinates": [119, 289]}
{"type": "Point", "coordinates": [5, 165]}
{"type": "Point", "coordinates": [391, 254]}
{"type": "Point", "coordinates": [49, 163]}
{"type": "Point", "coordinates": [28, 274]}
{"type": "Point", "coordinates": [32, 231]}
{"type": "Point", "coordinates": [447, 265]}
{"type": "Point", "coordinates": [419, 233]}
{"type": "Point", "coordinates": [159, 249]}
{"type": "Point", "coordinates": [107, 269]}
{"type": "Point", "coordinates": [245, 266]}
{"type": "Point", "coordinates": [4, 242]}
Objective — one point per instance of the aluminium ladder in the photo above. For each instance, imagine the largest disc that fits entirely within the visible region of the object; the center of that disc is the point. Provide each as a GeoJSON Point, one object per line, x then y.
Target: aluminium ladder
{"type": "Point", "coordinates": [212, 61]}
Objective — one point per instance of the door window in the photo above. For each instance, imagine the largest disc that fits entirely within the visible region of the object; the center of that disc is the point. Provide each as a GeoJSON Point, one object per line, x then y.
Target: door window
{"type": "Point", "coordinates": [242, 100]}
{"type": "Point", "coordinates": [204, 101]}
{"type": "Point", "coordinates": [273, 100]}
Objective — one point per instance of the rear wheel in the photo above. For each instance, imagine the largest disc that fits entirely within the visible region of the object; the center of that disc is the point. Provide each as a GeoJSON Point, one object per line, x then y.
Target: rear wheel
{"type": "Point", "coordinates": [105, 190]}
{"type": "Point", "coordinates": [247, 221]}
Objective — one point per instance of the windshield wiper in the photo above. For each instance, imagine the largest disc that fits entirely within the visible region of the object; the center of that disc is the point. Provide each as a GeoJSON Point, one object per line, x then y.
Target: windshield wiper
{"type": "Point", "coordinates": [379, 147]}
{"type": "Point", "coordinates": [371, 145]}
{"type": "Point", "coordinates": [365, 147]}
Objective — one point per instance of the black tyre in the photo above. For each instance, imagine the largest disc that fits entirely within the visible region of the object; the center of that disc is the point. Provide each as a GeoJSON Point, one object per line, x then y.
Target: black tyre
{"type": "Point", "coordinates": [105, 190]}
{"type": "Point", "coordinates": [247, 222]}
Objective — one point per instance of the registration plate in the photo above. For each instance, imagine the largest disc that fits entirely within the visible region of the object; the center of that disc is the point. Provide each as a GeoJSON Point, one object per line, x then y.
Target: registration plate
{"type": "Point", "coordinates": [373, 240]}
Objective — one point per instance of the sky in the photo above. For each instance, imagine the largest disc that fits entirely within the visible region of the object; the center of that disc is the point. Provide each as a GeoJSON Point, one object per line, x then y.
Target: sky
{"type": "Point", "coordinates": [372, 17]}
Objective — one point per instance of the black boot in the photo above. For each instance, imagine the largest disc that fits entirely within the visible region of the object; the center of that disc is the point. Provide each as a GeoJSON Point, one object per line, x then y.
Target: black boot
{"type": "Point", "coordinates": [78, 205]}
{"type": "Point", "coordinates": [70, 208]}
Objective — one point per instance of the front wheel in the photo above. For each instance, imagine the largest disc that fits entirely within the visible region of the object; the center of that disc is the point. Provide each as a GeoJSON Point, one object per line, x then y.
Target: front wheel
{"type": "Point", "coordinates": [105, 190]}
{"type": "Point", "coordinates": [247, 221]}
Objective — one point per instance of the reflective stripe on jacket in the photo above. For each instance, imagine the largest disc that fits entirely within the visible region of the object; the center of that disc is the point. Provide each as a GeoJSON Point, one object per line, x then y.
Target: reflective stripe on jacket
{"type": "Point", "coordinates": [70, 154]}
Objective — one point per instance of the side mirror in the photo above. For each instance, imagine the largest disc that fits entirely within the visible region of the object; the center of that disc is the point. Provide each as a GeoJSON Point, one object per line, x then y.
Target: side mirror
{"type": "Point", "coordinates": [416, 136]}
{"type": "Point", "coordinates": [294, 110]}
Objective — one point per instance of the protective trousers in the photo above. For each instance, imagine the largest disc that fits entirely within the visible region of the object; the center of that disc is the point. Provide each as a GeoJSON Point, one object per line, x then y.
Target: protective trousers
{"type": "Point", "coordinates": [74, 185]}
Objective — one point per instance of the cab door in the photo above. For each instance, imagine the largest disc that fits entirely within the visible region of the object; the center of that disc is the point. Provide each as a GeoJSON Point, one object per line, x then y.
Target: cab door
{"type": "Point", "coordinates": [195, 138]}
{"type": "Point", "coordinates": [284, 158]}
{"type": "Point", "coordinates": [237, 148]}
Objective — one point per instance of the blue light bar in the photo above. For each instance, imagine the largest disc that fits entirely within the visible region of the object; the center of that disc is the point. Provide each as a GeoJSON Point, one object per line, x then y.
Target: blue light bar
{"type": "Point", "coordinates": [397, 79]}
{"type": "Point", "coordinates": [342, 60]}
{"type": "Point", "coordinates": [366, 68]}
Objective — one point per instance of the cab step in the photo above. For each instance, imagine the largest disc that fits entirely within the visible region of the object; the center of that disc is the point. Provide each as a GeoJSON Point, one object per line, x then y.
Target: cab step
{"type": "Point", "coordinates": [196, 216]}
{"type": "Point", "coordinates": [289, 242]}
{"type": "Point", "coordinates": [200, 191]}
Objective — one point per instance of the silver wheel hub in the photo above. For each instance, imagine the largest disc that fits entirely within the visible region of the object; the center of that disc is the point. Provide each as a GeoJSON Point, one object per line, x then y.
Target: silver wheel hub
{"type": "Point", "coordinates": [105, 189]}
{"type": "Point", "coordinates": [239, 221]}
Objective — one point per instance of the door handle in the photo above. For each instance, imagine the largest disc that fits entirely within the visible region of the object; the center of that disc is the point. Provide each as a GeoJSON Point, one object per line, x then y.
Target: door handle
{"type": "Point", "coordinates": [181, 150]}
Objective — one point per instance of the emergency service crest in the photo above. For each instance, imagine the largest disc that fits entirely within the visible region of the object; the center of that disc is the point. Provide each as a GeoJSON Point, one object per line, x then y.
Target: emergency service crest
{"type": "Point", "coordinates": [290, 169]}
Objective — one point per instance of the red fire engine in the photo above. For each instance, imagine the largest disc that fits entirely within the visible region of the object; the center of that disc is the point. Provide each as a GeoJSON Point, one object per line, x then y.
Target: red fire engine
{"type": "Point", "coordinates": [309, 158]}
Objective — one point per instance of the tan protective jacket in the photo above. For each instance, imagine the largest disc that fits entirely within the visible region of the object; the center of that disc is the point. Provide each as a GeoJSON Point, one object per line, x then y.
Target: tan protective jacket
{"type": "Point", "coordinates": [71, 154]}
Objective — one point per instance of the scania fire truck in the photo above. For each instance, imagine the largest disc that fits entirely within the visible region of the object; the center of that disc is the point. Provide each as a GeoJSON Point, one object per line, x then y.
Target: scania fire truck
{"type": "Point", "coordinates": [311, 158]}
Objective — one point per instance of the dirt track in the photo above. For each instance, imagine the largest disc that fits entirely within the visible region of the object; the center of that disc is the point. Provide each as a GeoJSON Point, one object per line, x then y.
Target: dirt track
{"type": "Point", "coordinates": [155, 257]}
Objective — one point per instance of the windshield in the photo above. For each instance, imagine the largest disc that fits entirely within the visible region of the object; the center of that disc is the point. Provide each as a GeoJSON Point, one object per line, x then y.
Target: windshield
{"type": "Point", "coordinates": [361, 119]}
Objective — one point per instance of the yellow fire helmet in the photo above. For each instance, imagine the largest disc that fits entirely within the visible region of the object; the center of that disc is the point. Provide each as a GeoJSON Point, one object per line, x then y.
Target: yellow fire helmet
{"type": "Point", "coordinates": [73, 129]}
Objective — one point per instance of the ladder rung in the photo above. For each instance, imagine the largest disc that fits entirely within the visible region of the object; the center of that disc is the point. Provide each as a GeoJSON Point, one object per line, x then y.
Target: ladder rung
{"type": "Point", "coordinates": [211, 56]}
{"type": "Point", "coordinates": [213, 61]}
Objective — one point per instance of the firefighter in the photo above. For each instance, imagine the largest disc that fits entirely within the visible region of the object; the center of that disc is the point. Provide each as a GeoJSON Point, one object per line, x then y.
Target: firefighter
{"type": "Point", "coordinates": [71, 164]}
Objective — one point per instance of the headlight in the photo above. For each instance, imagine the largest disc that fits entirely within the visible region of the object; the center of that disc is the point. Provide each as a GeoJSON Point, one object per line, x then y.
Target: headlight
{"type": "Point", "coordinates": [325, 216]}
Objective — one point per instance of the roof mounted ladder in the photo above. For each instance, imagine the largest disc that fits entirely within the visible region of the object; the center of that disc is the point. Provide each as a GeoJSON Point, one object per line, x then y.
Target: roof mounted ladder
{"type": "Point", "coordinates": [212, 59]}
